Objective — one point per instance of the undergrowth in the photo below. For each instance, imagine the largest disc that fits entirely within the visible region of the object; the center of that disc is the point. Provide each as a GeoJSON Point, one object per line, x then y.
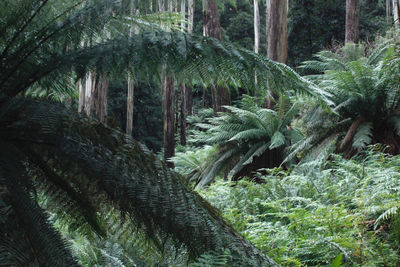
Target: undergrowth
{"type": "Point", "coordinates": [312, 214]}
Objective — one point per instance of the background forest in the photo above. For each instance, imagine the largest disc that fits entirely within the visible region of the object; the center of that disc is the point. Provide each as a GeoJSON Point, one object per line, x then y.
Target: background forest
{"type": "Point", "coordinates": [199, 133]}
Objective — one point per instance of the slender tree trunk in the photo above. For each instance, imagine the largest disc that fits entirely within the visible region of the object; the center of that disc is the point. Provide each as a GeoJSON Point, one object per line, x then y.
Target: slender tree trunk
{"type": "Point", "coordinates": [89, 88]}
{"type": "Point", "coordinates": [277, 43]}
{"type": "Point", "coordinates": [169, 112]}
{"type": "Point", "coordinates": [131, 90]}
{"type": "Point", "coordinates": [183, 14]}
{"type": "Point", "coordinates": [256, 27]}
{"type": "Point", "coordinates": [352, 21]}
{"type": "Point", "coordinates": [189, 93]}
{"type": "Point", "coordinates": [82, 92]}
{"type": "Point", "coordinates": [190, 16]}
{"type": "Point", "coordinates": [161, 5]}
{"type": "Point", "coordinates": [183, 89]}
{"type": "Point", "coordinates": [220, 95]}
{"type": "Point", "coordinates": [130, 105]}
{"type": "Point", "coordinates": [183, 109]}
{"type": "Point", "coordinates": [396, 11]}
{"type": "Point", "coordinates": [388, 13]}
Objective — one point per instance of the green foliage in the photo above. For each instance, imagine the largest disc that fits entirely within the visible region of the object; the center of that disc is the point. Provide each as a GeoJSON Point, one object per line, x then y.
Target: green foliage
{"type": "Point", "coordinates": [243, 136]}
{"type": "Point", "coordinates": [213, 259]}
{"type": "Point", "coordinates": [365, 96]}
{"type": "Point", "coordinates": [309, 218]}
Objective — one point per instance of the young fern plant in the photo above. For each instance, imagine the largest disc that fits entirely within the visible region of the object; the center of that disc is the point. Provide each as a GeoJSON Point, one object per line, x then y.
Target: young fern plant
{"type": "Point", "coordinates": [248, 138]}
{"type": "Point", "coordinates": [366, 96]}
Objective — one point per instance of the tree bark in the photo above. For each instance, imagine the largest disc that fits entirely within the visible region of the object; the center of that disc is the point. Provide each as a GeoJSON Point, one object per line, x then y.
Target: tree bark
{"type": "Point", "coordinates": [183, 14]}
{"type": "Point", "coordinates": [189, 94]}
{"type": "Point", "coordinates": [352, 21]}
{"type": "Point", "coordinates": [256, 27]}
{"type": "Point", "coordinates": [89, 88]}
{"type": "Point", "coordinates": [169, 112]}
{"type": "Point", "coordinates": [131, 89]}
{"type": "Point", "coordinates": [183, 109]}
{"type": "Point", "coordinates": [100, 99]}
{"type": "Point", "coordinates": [277, 43]}
{"type": "Point", "coordinates": [130, 105]}
{"type": "Point", "coordinates": [350, 134]}
{"type": "Point", "coordinates": [396, 11]}
{"type": "Point", "coordinates": [161, 5]}
{"type": "Point", "coordinates": [190, 16]}
{"type": "Point", "coordinates": [81, 88]}
{"type": "Point", "coordinates": [212, 28]}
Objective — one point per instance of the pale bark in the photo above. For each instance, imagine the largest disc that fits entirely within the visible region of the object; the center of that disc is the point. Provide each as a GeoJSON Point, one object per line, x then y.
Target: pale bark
{"type": "Point", "coordinates": [131, 91]}
{"type": "Point", "coordinates": [183, 108]}
{"type": "Point", "coordinates": [388, 13]}
{"type": "Point", "coordinates": [396, 11]}
{"type": "Point", "coordinates": [277, 43]}
{"type": "Point", "coordinates": [161, 5]}
{"type": "Point", "coordinates": [89, 88]}
{"type": "Point", "coordinates": [256, 27]}
{"type": "Point", "coordinates": [352, 21]}
{"type": "Point", "coordinates": [130, 105]}
{"type": "Point", "coordinates": [189, 97]}
{"type": "Point", "coordinates": [183, 14]}
{"type": "Point", "coordinates": [190, 16]}
{"type": "Point", "coordinates": [81, 89]}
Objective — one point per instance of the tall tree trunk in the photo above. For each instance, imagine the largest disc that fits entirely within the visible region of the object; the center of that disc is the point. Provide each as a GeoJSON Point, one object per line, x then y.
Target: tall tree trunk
{"type": "Point", "coordinates": [352, 21]}
{"type": "Point", "coordinates": [169, 112]}
{"type": "Point", "coordinates": [131, 89]}
{"type": "Point", "coordinates": [183, 109]}
{"type": "Point", "coordinates": [277, 43]}
{"type": "Point", "coordinates": [388, 13]}
{"type": "Point", "coordinates": [190, 16]}
{"type": "Point", "coordinates": [396, 11]}
{"type": "Point", "coordinates": [256, 27]}
{"type": "Point", "coordinates": [168, 103]}
{"type": "Point", "coordinates": [130, 105]}
{"type": "Point", "coordinates": [220, 95]}
{"type": "Point", "coordinates": [161, 5]}
{"type": "Point", "coordinates": [82, 92]}
{"type": "Point", "coordinates": [89, 88]}
{"type": "Point", "coordinates": [277, 37]}
{"type": "Point", "coordinates": [183, 89]}
{"type": "Point", "coordinates": [100, 99]}
{"type": "Point", "coordinates": [189, 94]}
{"type": "Point", "coordinates": [183, 14]}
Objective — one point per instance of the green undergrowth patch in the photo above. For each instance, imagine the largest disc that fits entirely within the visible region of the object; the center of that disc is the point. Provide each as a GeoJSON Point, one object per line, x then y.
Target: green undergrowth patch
{"type": "Point", "coordinates": [312, 214]}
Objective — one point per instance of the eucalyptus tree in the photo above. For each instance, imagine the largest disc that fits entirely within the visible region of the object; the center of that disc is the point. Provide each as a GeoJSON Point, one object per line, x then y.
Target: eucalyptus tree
{"type": "Point", "coordinates": [212, 27]}
{"type": "Point", "coordinates": [352, 21]}
{"type": "Point", "coordinates": [277, 43]}
{"type": "Point", "coordinates": [396, 12]}
{"type": "Point", "coordinates": [80, 164]}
